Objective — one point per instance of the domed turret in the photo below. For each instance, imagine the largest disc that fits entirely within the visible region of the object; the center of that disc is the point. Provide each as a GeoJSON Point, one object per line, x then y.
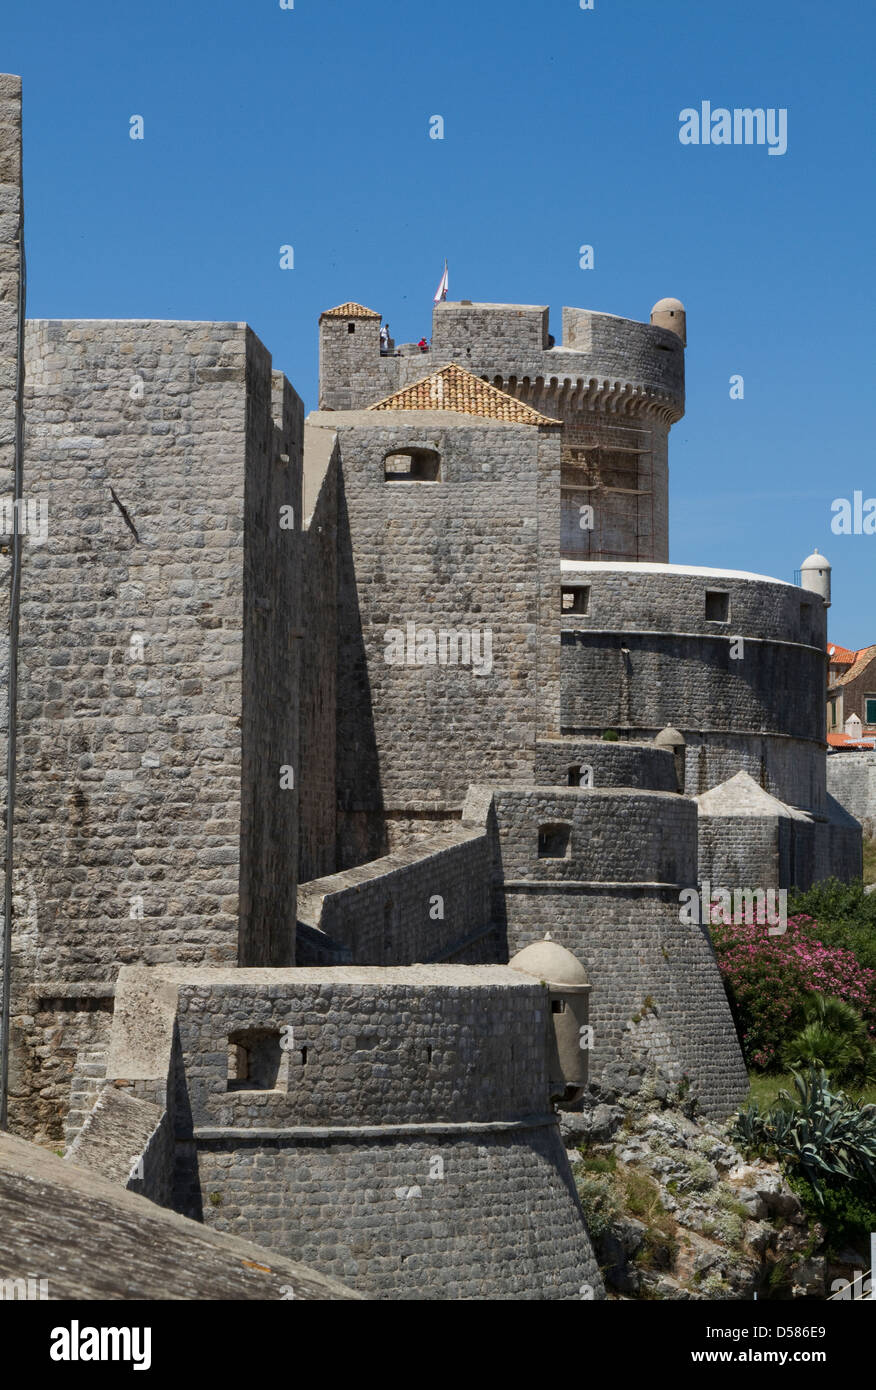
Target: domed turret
{"type": "Point", "coordinates": [569, 987]}
{"type": "Point", "coordinates": [670, 313]}
{"type": "Point", "coordinates": [673, 740]}
{"type": "Point", "coordinates": [815, 576]}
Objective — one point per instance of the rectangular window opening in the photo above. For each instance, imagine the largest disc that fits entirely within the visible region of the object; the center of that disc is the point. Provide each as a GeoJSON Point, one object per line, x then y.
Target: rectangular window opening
{"type": "Point", "coordinates": [576, 600]}
{"type": "Point", "coordinates": [717, 606]}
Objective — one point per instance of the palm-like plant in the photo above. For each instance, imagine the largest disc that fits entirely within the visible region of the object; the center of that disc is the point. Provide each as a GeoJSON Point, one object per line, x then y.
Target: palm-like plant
{"type": "Point", "coordinates": [834, 1039]}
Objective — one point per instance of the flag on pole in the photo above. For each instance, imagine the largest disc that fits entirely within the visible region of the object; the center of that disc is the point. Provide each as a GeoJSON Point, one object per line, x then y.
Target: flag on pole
{"type": "Point", "coordinates": [441, 292]}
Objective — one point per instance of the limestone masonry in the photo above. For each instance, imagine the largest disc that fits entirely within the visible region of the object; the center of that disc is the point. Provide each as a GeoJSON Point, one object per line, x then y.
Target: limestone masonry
{"type": "Point", "coordinates": [323, 727]}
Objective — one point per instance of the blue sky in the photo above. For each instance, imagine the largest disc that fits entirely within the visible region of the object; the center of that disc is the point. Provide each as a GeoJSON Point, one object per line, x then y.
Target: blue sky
{"type": "Point", "coordinates": [309, 127]}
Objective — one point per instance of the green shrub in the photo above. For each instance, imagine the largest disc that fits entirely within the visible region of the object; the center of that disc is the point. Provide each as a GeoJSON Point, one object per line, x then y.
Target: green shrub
{"type": "Point", "coordinates": [835, 1039]}
{"type": "Point", "coordinates": [847, 1214]}
{"type": "Point", "coordinates": [611, 736]}
{"type": "Point", "coordinates": [599, 1203]}
{"type": "Point", "coordinates": [845, 914]}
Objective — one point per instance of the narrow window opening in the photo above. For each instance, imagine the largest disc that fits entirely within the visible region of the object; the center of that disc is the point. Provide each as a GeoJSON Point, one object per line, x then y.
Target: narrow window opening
{"type": "Point", "coordinates": [387, 933]}
{"type": "Point", "coordinates": [304, 1056]}
{"type": "Point", "coordinates": [574, 776]}
{"type": "Point", "coordinates": [351, 328]}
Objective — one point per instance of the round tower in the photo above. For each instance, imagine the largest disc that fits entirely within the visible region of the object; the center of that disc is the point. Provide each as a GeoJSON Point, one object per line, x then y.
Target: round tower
{"type": "Point", "coordinates": [815, 576]}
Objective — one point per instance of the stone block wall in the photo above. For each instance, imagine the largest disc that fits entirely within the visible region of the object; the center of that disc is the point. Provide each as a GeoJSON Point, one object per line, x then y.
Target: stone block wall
{"type": "Point", "coordinates": [606, 367]}
{"type": "Point", "coordinates": [621, 764]}
{"type": "Point", "coordinates": [273, 614]}
{"type": "Point", "coordinates": [423, 903]}
{"type": "Point", "coordinates": [408, 1121]}
{"type": "Point", "coordinates": [851, 780]}
{"type": "Point", "coordinates": [616, 835]}
{"type": "Point", "coordinates": [645, 655]}
{"type": "Point", "coordinates": [744, 851]}
{"type": "Point", "coordinates": [156, 677]}
{"type": "Point", "coordinates": [475, 553]}
{"type": "Point", "coordinates": [11, 328]}
{"type": "Point", "coordinates": [317, 694]}
{"type": "Point", "coordinates": [434, 1217]}
{"type": "Point", "coordinates": [615, 903]}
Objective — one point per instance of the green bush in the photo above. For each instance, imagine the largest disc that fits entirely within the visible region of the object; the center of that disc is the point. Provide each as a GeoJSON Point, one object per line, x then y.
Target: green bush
{"type": "Point", "coordinates": [847, 1214]}
{"type": "Point", "coordinates": [835, 1039]}
{"type": "Point", "coordinates": [611, 736]}
{"type": "Point", "coordinates": [599, 1203]}
{"type": "Point", "coordinates": [845, 914]}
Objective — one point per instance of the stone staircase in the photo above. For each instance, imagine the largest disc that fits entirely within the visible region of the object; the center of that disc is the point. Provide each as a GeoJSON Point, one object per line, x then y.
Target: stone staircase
{"type": "Point", "coordinates": [89, 1071]}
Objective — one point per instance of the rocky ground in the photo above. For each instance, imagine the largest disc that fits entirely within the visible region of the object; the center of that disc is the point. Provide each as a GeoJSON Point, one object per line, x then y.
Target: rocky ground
{"type": "Point", "coordinates": [675, 1211]}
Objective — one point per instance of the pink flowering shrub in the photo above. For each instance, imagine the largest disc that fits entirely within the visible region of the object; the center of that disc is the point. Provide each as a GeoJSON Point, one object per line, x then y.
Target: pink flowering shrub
{"type": "Point", "coordinates": [768, 979]}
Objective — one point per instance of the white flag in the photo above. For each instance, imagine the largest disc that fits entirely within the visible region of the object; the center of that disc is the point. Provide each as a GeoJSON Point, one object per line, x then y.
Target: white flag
{"type": "Point", "coordinates": [441, 292]}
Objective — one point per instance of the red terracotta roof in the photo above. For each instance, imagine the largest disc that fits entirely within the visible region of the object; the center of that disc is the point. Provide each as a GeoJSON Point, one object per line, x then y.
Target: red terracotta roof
{"type": "Point", "coordinates": [846, 741]}
{"type": "Point", "coordinates": [840, 656]}
{"type": "Point", "coordinates": [861, 662]}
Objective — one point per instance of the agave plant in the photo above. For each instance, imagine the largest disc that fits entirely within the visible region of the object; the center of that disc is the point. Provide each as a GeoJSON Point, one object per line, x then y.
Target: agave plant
{"type": "Point", "coordinates": [822, 1134]}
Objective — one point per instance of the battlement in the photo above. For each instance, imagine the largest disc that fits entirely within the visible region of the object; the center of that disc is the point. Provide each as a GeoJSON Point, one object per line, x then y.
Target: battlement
{"type": "Point", "coordinates": [602, 359]}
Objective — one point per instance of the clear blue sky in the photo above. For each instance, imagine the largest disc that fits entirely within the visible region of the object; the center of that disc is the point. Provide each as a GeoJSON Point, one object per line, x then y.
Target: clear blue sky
{"type": "Point", "coordinates": [309, 127]}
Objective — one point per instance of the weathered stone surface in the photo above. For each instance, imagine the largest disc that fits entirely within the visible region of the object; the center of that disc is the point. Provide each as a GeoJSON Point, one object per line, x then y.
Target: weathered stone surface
{"type": "Point", "coordinates": [92, 1240]}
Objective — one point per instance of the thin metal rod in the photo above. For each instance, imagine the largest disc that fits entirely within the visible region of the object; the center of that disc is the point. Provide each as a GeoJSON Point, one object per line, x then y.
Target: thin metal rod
{"type": "Point", "coordinates": [12, 691]}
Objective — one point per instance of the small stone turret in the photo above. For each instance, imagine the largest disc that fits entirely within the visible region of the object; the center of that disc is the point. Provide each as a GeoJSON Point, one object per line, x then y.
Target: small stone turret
{"type": "Point", "coordinates": [569, 987]}
{"type": "Point", "coordinates": [815, 576]}
{"type": "Point", "coordinates": [673, 740]}
{"type": "Point", "coordinates": [670, 313]}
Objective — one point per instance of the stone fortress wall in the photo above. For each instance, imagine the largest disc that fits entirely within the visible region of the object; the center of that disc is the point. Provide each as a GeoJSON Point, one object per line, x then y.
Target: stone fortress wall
{"type": "Point", "coordinates": [647, 654]}
{"type": "Point", "coordinates": [12, 277]}
{"type": "Point", "coordinates": [156, 680]}
{"type": "Point", "coordinates": [387, 1124]}
{"type": "Point", "coordinates": [472, 552]}
{"type": "Point", "coordinates": [616, 385]}
{"type": "Point", "coordinates": [851, 779]}
{"type": "Point", "coordinates": [207, 717]}
{"type": "Point", "coordinates": [607, 885]}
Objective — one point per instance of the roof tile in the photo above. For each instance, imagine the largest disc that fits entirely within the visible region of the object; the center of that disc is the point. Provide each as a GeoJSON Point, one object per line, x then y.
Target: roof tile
{"type": "Point", "coordinates": [350, 310]}
{"type": "Point", "coordinates": [453, 388]}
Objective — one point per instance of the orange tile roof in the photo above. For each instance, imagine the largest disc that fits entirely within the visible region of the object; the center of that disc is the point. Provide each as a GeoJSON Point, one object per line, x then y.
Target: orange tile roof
{"type": "Point", "coordinates": [861, 662]}
{"type": "Point", "coordinates": [453, 388]}
{"type": "Point", "coordinates": [846, 741]}
{"type": "Point", "coordinates": [840, 656]}
{"type": "Point", "coordinates": [350, 310]}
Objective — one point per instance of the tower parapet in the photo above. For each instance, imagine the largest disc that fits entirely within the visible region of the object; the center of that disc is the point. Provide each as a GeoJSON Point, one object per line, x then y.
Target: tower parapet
{"type": "Point", "coordinates": [616, 384]}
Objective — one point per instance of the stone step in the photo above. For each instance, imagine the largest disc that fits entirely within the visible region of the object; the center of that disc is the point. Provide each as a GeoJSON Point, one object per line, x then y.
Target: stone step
{"type": "Point", "coordinates": [89, 1071]}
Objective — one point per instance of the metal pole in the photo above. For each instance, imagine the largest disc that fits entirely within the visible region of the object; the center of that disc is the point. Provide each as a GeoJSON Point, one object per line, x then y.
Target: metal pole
{"type": "Point", "coordinates": [12, 692]}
